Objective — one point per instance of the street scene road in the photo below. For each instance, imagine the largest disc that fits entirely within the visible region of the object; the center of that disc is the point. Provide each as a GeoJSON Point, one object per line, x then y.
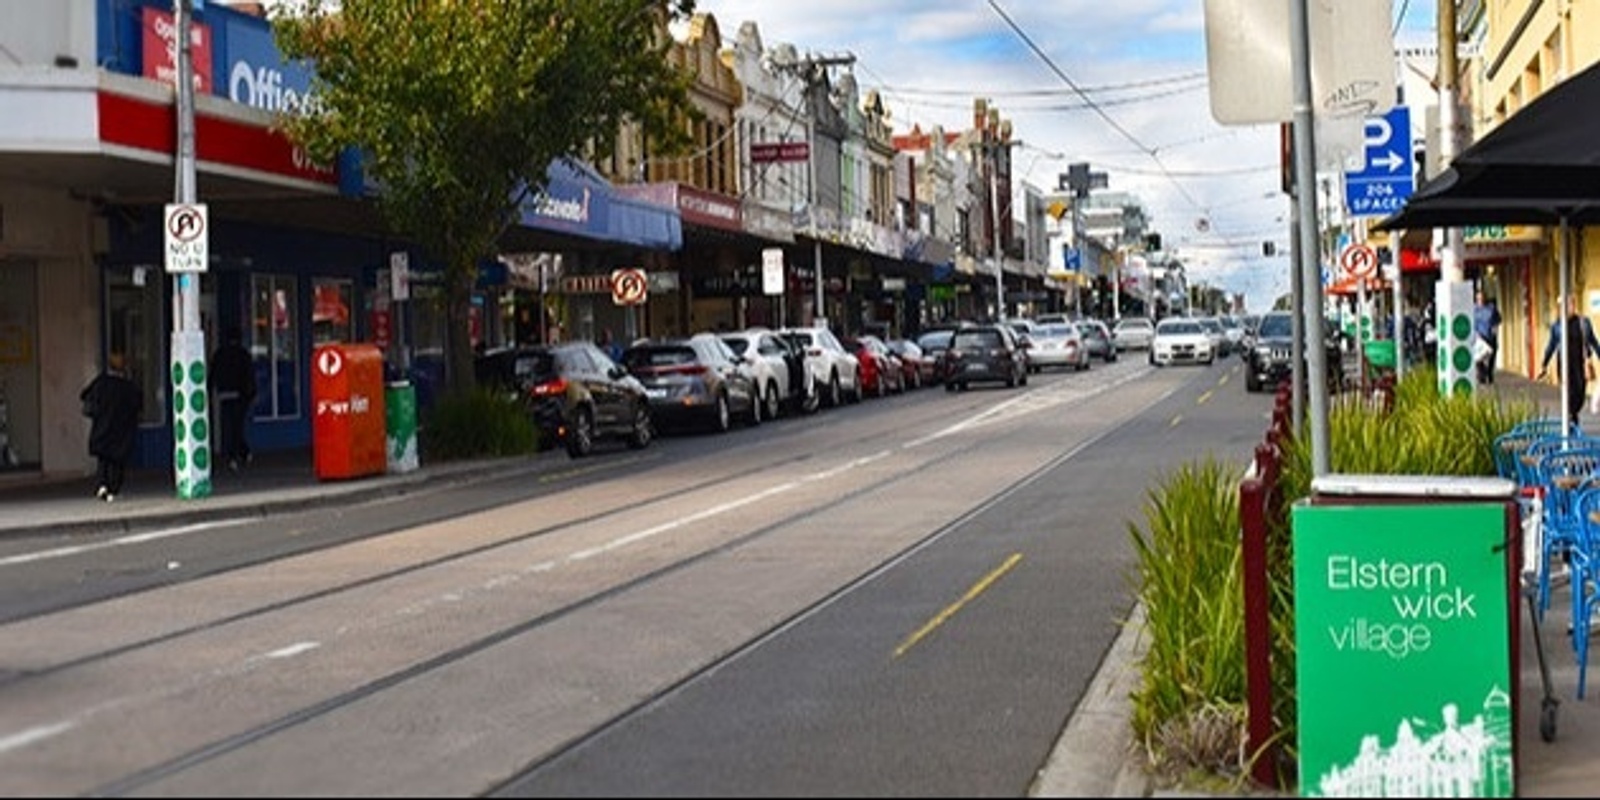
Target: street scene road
{"type": "Point", "coordinates": [908, 596]}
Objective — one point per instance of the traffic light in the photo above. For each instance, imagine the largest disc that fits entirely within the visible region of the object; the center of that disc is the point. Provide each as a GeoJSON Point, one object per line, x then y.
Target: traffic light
{"type": "Point", "coordinates": [1269, 249]}
{"type": "Point", "coordinates": [1152, 242]}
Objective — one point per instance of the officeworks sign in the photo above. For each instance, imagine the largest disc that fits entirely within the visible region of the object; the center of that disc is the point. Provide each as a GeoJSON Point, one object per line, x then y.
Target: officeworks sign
{"type": "Point", "coordinates": [253, 72]}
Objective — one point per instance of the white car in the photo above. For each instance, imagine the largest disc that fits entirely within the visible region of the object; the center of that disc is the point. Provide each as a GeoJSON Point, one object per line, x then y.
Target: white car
{"type": "Point", "coordinates": [1181, 340]}
{"type": "Point", "coordinates": [779, 368]}
{"type": "Point", "coordinates": [835, 370]}
{"type": "Point", "coordinates": [1133, 333]}
{"type": "Point", "coordinates": [1058, 345]}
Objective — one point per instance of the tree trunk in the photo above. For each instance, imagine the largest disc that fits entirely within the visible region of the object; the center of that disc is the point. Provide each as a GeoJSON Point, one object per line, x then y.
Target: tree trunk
{"type": "Point", "coordinates": [460, 377]}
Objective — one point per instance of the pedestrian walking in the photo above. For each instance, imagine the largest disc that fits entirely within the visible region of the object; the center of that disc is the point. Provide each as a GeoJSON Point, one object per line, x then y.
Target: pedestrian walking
{"type": "Point", "coordinates": [112, 403]}
{"type": "Point", "coordinates": [1581, 343]}
{"type": "Point", "coordinates": [233, 384]}
{"type": "Point", "coordinates": [1486, 324]}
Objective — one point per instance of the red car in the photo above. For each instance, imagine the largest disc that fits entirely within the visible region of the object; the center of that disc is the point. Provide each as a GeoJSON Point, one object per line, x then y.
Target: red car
{"type": "Point", "coordinates": [881, 371]}
{"type": "Point", "coordinates": [920, 369]}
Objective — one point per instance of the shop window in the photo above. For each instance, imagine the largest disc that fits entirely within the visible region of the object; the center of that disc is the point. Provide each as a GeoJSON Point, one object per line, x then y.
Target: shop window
{"type": "Point", "coordinates": [136, 327]}
{"type": "Point", "coordinates": [274, 346]}
{"type": "Point", "coordinates": [332, 318]}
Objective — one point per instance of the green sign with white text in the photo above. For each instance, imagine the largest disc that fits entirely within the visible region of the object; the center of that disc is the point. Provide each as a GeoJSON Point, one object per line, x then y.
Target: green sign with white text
{"type": "Point", "coordinates": [1403, 650]}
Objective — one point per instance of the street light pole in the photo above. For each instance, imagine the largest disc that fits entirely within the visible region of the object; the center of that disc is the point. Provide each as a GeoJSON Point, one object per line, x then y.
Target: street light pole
{"type": "Point", "coordinates": [999, 260]}
{"type": "Point", "coordinates": [191, 424]}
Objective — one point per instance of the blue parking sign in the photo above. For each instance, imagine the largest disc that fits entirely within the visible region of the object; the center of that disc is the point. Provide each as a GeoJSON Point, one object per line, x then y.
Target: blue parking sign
{"type": "Point", "coordinates": [1385, 180]}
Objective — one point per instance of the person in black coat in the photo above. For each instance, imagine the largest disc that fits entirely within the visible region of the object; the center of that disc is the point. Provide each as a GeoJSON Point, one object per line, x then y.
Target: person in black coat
{"type": "Point", "coordinates": [112, 403]}
{"type": "Point", "coordinates": [233, 384]}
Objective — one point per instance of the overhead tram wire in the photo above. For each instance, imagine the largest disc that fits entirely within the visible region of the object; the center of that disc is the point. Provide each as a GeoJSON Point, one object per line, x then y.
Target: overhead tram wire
{"type": "Point", "coordinates": [1115, 125]}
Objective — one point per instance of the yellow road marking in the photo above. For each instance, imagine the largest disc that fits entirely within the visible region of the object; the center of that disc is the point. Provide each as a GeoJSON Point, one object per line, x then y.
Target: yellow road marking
{"type": "Point", "coordinates": [977, 588]}
{"type": "Point", "coordinates": [1203, 398]}
{"type": "Point", "coordinates": [1176, 420]}
{"type": "Point", "coordinates": [1224, 380]}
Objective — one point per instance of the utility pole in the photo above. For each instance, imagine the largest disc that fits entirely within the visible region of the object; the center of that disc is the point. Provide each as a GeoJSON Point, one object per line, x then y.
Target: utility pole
{"type": "Point", "coordinates": [191, 448]}
{"type": "Point", "coordinates": [1450, 270]}
{"type": "Point", "coordinates": [810, 70]}
{"type": "Point", "coordinates": [1305, 167]}
{"type": "Point", "coordinates": [999, 257]}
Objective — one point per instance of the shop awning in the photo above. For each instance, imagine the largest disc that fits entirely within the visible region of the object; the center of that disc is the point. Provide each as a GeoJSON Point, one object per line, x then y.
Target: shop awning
{"type": "Point", "coordinates": [578, 201]}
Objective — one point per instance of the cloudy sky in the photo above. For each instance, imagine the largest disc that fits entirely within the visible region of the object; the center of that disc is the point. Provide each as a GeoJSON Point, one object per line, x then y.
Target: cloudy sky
{"type": "Point", "coordinates": [1120, 84]}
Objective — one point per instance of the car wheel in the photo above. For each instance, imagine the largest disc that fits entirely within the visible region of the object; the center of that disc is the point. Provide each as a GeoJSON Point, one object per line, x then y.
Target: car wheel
{"type": "Point", "coordinates": [1251, 382]}
{"type": "Point", "coordinates": [962, 386]}
{"type": "Point", "coordinates": [950, 386]}
{"type": "Point", "coordinates": [916, 379]}
{"type": "Point", "coordinates": [881, 385]}
{"type": "Point", "coordinates": [580, 434]}
{"type": "Point", "coordinates": [643, 428]}
{"type": "Point", "coordinates": [756, 417]}
{"type": "Point", "coordinates": [722, 418]}
{"type": "Point", "coordinates": [856, 394]}
{"type": "Point", "coordinates": [835, 392]}
{"type": "Point", "coordinates": [774, 403]}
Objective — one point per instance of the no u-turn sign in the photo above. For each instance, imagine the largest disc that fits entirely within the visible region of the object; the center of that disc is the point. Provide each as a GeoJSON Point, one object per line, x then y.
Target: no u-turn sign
{"type": "Point", "coordinates": [185, 230]}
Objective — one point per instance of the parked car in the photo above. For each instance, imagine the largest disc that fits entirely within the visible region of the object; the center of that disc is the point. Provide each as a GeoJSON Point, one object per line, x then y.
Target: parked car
{"type": "Point", "coordinates": [1058, 344]}
{"type": "Point", "coordinates": [780, 369]}
{"type": "Point", "coordinates": [1181, 340]}
{"type": "Point", "coordinates": [1269, 360]}
{"type": "Point", "coordinates": [933, 344]}
{"type": "Point", "coordinates": [1052, 318]}
{"type": "Point", "coordinates": [1233, 328]}
{"type": "Point", "coordinates": [989, 352]}
{"type": "Point", "coordinates": [919, 368]}
{"type": "Point", "coordinates": [1097, 339]}
{"type": "Point", "coordinates": [575, 393]}
{"type": "Point", "coordinates": [695, 381]}
{"type": "Point", "coordinates": [836, 371]}
{"type": "Point", "coordinates": [881, 372]}
{"type": "Point", "coordinates": [1133, 333]}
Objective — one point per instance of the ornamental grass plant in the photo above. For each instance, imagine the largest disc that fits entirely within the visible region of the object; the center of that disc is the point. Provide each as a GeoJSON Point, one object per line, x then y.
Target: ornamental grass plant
{"type": "Point", "coordinates": [477, 424]}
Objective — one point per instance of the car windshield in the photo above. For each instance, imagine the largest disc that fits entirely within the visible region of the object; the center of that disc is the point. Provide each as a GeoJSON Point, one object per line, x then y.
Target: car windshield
{"type": "Point", "coordinates": [1179, 327]}
{"type": "Point", "coordinates": [972, 339]}
{"type": "Point", "coordinates": [737, 345]}
{"type": "Point", "coordinates": [1054, 331]}
{"type": "Point", "coordinates": [1129, 324]}
{"type": "Point", "coordinates": [528, 365]}
{"type": "Point", "coordinates": [1276, 325]}
{"type": "Point", "coordinates": [1211, 325]}
{"type": "Point", "coordinates": [667, 356]}
{"type": "Point", "coordinates": [935, 340]}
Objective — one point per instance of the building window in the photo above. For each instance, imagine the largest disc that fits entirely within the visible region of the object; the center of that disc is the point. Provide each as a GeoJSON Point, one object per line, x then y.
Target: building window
{"type": "Point", "coordinates": [135, 327]}
{"type": "Point", "coordinates": [274, 346]}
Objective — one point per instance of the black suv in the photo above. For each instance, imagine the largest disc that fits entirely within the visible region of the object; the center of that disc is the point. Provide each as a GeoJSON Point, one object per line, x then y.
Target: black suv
{"type": "Point", "coordinates": [575, 393]}
{"type": "Point", "coordinates": [984, 353]}
{"type": "Point", "coordinates": [1268, 361]}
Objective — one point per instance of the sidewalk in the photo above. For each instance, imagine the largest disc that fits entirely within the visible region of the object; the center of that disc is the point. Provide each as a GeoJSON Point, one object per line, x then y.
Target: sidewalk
{"type": "Point", "coordinates": [273, 483]}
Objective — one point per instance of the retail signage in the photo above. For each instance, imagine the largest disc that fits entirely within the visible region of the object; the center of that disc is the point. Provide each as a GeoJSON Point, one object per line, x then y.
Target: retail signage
{"type": "Point", "coordinates": [185, 236]}
{"type": "Point", "coordinates": [772, 271]}
{"type": "Point", "coordinates": [256, 74]}
{"type": "Point", "coordinates": [1403, 659]}
{"type": "Point", "coordinates": [160, 59]}
{"type": "Point", "coordinates": [399, 276]}
{"type": "Point", "coordinates": [585, 284]}
{"type": "Point", "coordinates": [767, 152]}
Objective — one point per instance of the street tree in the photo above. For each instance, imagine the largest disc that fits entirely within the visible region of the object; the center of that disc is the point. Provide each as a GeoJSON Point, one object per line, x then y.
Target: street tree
{"type": "Point", "coordinates": [458, 107]}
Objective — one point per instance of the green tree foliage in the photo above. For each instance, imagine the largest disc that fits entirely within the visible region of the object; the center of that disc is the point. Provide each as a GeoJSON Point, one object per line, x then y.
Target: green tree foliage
{"type": "Point", "coordinates": [460, 105]}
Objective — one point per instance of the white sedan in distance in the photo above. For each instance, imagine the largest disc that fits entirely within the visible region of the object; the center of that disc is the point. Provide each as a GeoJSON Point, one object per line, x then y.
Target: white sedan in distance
{"type": "Point", "coordinates": [1181, 340]}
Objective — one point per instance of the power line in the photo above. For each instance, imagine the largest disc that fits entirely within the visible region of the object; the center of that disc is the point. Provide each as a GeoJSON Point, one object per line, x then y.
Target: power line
{"type": "Point", "coordinates": [1188, 77]}
{"type": "Point", "coordinates": [1115, 125]}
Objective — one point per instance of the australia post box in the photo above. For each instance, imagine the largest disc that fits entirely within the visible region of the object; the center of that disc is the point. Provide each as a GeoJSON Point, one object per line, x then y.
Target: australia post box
{"type": "Point", "coordinates": [348, 428]}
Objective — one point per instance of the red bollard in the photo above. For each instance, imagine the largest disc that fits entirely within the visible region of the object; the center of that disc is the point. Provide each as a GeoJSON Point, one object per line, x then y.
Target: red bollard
{"type": "Point", "coordinates": [1257, 634]}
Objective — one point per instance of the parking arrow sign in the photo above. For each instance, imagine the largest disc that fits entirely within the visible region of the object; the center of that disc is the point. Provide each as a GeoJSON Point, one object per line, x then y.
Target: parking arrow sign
{"type": "Point", "coordinates": [1384, 181]}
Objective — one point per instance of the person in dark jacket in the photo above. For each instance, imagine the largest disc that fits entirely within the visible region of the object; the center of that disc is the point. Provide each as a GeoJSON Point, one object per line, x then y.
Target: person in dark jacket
{"type": "Point", "coordinates": [1581, 344]}
{"type": "Point", "coordinates": [233, 384]}
{"type": "Point", "coordinates": [112, 403]}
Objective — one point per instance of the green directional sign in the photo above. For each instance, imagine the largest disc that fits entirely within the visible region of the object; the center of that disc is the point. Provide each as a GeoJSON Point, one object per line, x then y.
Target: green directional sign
{"type": "Point", "coordinates": [1403, 651]}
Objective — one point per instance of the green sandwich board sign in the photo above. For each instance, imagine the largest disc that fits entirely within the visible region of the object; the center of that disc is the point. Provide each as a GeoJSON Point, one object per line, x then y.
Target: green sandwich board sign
{"type": "Point", "coordinates": [1403, 663]}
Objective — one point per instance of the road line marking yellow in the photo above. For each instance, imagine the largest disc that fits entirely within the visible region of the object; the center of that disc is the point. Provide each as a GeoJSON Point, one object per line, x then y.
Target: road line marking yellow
{"type": "Point", "coordinates": [1224, 380]}
{"type": "Point", "coordinates": [1203, 398]}
{"type": "Point", "coordinates": [949, 611]}
{"type": "Point", "coordinates": [1176, 420]}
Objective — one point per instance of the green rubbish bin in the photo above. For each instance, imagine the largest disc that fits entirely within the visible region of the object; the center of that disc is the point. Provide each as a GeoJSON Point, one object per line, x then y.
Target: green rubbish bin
{"type": "Point", "coordinates": [400, 410]}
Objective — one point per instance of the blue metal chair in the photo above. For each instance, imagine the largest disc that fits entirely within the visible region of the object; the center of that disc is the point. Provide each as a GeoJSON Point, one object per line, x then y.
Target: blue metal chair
{"type": "Point", "coordinates": [1565, 466]}
{"type": "Point", "coordinates": [1585, 565]}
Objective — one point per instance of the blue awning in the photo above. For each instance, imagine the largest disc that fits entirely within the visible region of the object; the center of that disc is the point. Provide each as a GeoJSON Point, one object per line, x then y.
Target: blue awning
{"type": "Point", "coordinates": [579, 201]}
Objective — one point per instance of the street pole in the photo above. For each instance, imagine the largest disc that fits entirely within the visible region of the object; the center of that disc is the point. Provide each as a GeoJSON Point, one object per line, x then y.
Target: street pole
{"type": "Point", "coordinates": [818, 316]}
{"type": "Point", "coordinates": [1450, 270]}
{"type": "Point", "coordinates": [1305, 152]}
{"type": "Point", "coordinates": [191, 449]}
{"type": "Point", "coordinates": [999, 263]}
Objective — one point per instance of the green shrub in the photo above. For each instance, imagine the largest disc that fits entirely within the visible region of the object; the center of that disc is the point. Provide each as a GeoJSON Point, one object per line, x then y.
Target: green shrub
{"type": "Point", "coordinates": [477, 424]}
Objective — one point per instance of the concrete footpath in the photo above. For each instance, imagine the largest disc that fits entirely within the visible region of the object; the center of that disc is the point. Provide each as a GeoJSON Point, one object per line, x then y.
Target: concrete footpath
{"type": "Point", "coordinates": [1095, 755]}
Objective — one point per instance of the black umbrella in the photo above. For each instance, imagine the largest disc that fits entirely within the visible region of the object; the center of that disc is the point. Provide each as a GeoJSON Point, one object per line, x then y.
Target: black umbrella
{"type": "Point", "coordinates": [1541, 166]}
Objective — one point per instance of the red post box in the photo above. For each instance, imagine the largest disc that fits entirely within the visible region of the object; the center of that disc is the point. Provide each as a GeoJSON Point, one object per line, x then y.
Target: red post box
{"type": "Point", "coordinates": [347, 427]}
